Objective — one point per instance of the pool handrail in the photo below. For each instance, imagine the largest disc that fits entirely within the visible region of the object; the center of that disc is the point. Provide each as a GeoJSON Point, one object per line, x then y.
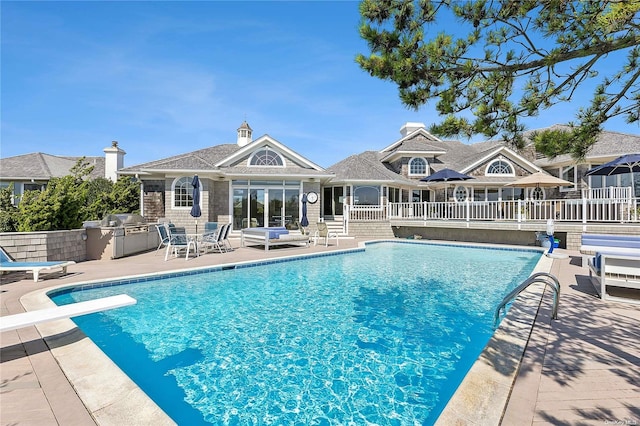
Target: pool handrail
{"type": "Point", "coordinates": [542, 277]}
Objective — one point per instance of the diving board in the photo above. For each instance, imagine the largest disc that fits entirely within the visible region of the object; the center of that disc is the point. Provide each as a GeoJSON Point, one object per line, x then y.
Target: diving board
{"type": "Point", "coordinates": [25, 319]}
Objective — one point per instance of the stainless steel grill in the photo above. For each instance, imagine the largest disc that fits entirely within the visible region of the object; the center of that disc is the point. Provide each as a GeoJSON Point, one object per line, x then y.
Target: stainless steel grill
{"type": "Point", "coordinates": [119, 235]}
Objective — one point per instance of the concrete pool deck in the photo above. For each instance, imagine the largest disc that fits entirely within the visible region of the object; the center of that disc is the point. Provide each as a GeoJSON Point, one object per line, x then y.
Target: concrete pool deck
{"type": "Point", "coordinates": [581, 369]}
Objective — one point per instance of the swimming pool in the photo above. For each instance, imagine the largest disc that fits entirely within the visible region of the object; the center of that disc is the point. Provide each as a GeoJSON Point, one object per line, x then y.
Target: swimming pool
{"type": "Point", "coordinates": [383, 336]}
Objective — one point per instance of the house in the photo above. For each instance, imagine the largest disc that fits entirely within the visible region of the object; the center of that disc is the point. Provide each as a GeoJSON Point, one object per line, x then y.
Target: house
{"type": "Point", "coordinates": [609, 146]}
{"type": "Point", "coordinates": [252, 182]}
{"type": "Point", "coordinates": [33, 171]}
{"type": "Point", "coordinates": [393, 174]}
{"type": "Point", "coordinates": [260, 182]}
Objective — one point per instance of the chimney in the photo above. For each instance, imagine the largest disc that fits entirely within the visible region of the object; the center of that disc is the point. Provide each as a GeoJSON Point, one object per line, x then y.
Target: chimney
{"type": "Point", "coordinates": [409, 128]}
{"type": "Point", "coordinates": [244, 134]}
{"type": "Point", "coordinates": [113, 161]}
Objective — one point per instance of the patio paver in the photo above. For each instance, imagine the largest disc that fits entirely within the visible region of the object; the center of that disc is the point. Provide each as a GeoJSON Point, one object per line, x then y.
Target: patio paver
{"type": "Point", "coordinates": [582, 369]}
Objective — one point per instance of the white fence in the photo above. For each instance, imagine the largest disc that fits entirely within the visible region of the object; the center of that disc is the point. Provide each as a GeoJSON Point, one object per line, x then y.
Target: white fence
{"type": "Point", "coordinates": [585, 210]}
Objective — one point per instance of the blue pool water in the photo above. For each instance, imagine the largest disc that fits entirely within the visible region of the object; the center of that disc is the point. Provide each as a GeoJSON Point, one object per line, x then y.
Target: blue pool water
{"type": "Point", "coordinates": [382, 336]}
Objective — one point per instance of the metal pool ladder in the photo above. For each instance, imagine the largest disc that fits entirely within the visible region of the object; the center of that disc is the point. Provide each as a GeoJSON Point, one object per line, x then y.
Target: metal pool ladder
{"type": "Point", "coordinates": [540, 277]}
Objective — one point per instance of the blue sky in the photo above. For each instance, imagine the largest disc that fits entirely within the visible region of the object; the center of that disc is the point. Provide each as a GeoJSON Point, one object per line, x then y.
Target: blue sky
{"type": "Point", "coordinates": [166, 78]}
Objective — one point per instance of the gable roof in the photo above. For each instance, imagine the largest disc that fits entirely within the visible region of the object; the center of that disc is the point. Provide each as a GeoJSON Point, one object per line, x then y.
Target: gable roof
{"type": "Point", "coordinates": [200, 160]}
{"type": "Point", "coordinates": [229, 160]}
{"type": "Point", "coordinates": [264, 141]}
{"type": "Point", "coordinates": [366, 167]}
{"type": "Point", "coordinates": [608, 146]}
{"type": "Point", "coordinates": [41, 166]}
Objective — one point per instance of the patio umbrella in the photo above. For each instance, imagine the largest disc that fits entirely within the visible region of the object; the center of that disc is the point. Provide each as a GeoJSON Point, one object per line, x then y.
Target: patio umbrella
{"type": "Point", "coordinates": [304, 222]}
{"type": "Point", "coordinates": [195, 209]}
{"type": "Point", "coordinates": [539, 180]}
{"type": "Point", "coordinates": [446, 175]}
{"type": "Point", "coordinates": [629, 163]}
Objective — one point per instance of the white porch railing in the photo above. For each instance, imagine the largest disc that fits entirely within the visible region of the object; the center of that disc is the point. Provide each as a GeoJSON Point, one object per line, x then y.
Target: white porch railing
{"type": "Point", "coordinates": [620, 193]}
{"type": "Point", "coordinates": [585, 210]}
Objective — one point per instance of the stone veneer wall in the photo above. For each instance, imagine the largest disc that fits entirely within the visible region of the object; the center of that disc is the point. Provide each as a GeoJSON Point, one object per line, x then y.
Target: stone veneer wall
{"type": "Point", "coordinates": [45, 245]}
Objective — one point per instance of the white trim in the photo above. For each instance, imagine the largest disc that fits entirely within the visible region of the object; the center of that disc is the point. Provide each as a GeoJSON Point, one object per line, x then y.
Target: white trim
{"type": "Point", "coordinates": [574, 187]}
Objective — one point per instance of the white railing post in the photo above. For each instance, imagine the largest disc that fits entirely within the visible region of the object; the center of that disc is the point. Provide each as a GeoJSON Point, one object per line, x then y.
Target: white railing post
{"type": "Point", "coordinates": [468, 209]}
{"type": "Point", "coordinates": [519, 211]}
{"type": "Point", "coordinates": [584, 210]}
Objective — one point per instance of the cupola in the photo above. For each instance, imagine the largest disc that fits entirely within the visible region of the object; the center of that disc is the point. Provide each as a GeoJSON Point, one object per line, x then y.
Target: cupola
{"type": "Point", "coordinates": [409, 128]}
{"type": "Point", "coordinates": [244, 134]}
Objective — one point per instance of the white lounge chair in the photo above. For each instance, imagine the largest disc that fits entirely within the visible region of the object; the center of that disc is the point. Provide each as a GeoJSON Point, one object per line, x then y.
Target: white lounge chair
{"type": "Point", "coordinates": [7, 264]}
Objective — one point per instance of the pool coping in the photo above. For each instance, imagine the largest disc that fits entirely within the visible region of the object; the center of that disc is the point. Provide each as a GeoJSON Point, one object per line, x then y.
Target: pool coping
{"type": "Point", "coordinates": [112, 398]}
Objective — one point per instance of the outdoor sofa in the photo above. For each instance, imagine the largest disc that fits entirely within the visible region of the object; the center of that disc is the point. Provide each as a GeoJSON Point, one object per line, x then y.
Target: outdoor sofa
{"type": "Point", "coordinates": [272, 236]}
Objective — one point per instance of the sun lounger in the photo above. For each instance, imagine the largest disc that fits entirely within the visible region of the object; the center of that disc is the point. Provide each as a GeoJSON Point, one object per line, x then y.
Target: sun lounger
{"type": "Point", "coordinates": [269, 237]}
{"type": "Point", "coordinates": [25, 319]}
{"type": "Point", "coordinates": [614, 270]}
{"type": "Point", "coordinates": [7, 264]}
{"type": "Point", "coordinates": [591, 243]}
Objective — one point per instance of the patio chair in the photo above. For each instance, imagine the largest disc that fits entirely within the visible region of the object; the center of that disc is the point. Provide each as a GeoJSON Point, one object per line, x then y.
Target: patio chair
{"type": "Point", "coordinates": [8, 264]}
{"type": "Point", "coordinates": [225, 238]}
{"type": "Point", "coordinates": [323, 232]}
{"type": "Point", "coordinates": [163, 235]}
{"type": "Point", "coordinates": [214, 239]}
{"type": "Point", "coordinates": [178, 240]}
{"type": "Point", "coordinates": [250, 224]}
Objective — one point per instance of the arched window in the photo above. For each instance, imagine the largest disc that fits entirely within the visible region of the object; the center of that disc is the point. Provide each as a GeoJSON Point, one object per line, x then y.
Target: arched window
{"type": "Point", "coordinates": [366, 195]}
{"type": "Point", "coordinates": [182, 192]}
{"type": "Point", "coordinates": [500, 167]}
{"type": "Point", "coordinates": [417, 166]}
{"type": "Point", "coordinates": [266, 157]}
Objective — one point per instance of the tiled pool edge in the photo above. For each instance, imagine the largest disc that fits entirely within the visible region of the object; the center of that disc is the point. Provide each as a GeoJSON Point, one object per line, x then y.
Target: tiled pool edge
{"type": "Point", "coordinates": [112, 398]}
{"type": "Point", "coordinates": [484, 393]}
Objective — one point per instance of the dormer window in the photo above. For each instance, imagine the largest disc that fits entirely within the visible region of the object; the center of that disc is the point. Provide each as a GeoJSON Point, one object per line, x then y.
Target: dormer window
{"type": "Point", "coordinates": [266, 157]}
{"type": "Point", "coordinates": [500, 167]}
{"type": "Point", "coordinates": [417, 166]}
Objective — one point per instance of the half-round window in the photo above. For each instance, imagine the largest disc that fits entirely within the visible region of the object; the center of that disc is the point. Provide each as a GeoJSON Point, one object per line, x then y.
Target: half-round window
{"type": "Point", "coordinates": [266, 157]}
{"type": "Point", "coordinates": [182, 192]}
{"type": "Point", "coordinates": [418, 166]}
{"type": "Point", "coordinates": [500, 167]}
